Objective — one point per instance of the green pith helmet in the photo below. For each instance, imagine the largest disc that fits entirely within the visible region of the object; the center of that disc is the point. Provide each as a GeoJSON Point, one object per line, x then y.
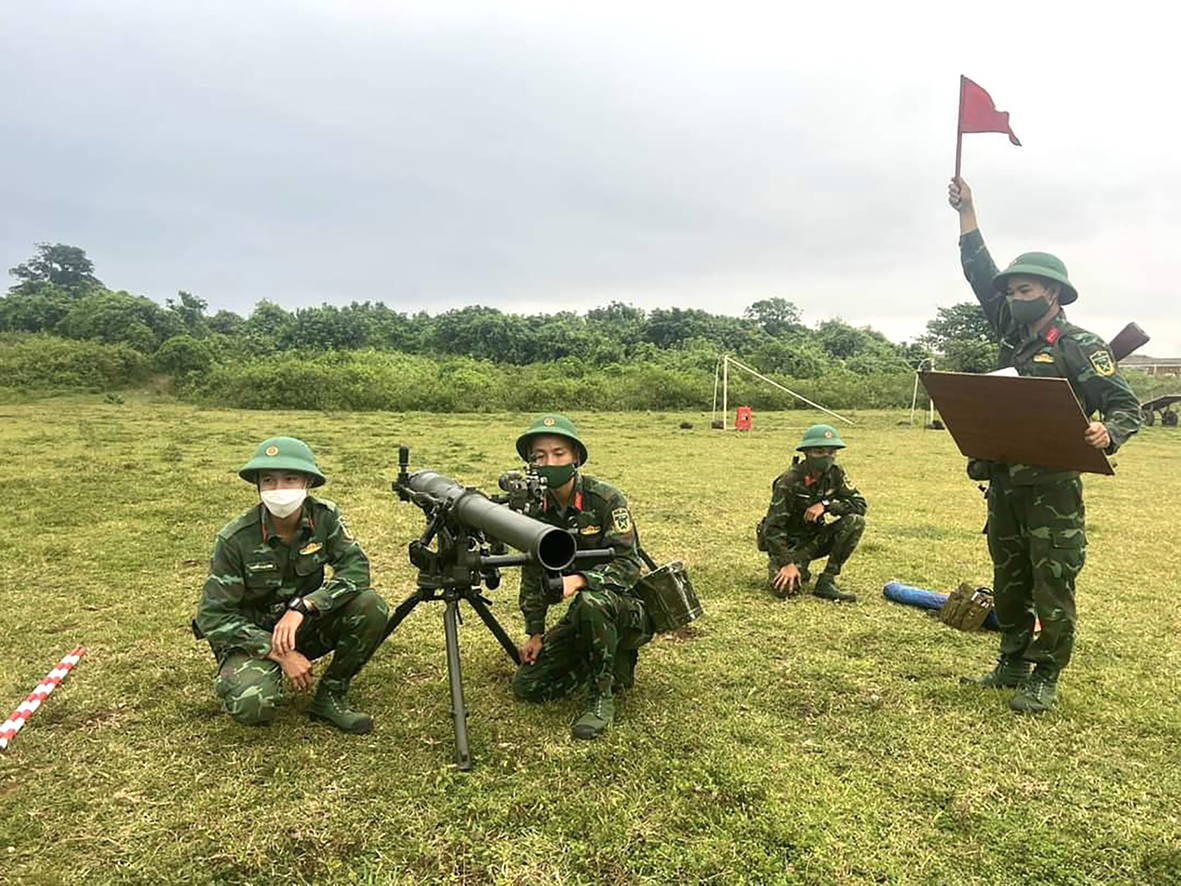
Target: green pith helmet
{"type": "Point", "coordinates": [821, 436]}
{"type": "Point", "coordinates": [282, 454]}
{"type": "Point", "coordinates": [1038, 264]}
{"type": "Point", "coordinates": [551, 423]}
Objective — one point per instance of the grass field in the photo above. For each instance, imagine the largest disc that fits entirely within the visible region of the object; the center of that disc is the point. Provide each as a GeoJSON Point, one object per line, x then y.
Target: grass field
{"type": "Point", "coordinates": [782, 742]}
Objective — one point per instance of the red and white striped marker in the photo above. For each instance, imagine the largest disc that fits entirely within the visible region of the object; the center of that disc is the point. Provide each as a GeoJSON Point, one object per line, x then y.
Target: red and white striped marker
{"type": "Point", "coordinates": [25, 709]}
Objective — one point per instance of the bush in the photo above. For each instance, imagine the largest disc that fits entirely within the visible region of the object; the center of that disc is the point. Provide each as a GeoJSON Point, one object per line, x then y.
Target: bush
{"type": "Point", "coordinates": [39, 363]}
{"type": "Point", "coordinates": [387, 380]}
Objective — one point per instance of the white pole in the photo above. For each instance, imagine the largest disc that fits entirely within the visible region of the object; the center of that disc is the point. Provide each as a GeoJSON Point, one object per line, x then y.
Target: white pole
{"type": "Point", "coordinates": [725, 389]}
{"type": "Point", "coordinates": [714, 414]}
{"type": "Point", "coordinates": [914, 398]}
{"type": "Point", "coordinates": [931, 402]}
{"type": "Point", "coordinates": [788, 390]}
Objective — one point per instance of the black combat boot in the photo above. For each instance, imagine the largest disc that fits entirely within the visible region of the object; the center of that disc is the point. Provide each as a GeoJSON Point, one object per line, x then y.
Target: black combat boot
{"type": "Point", "coordinates": [1039, 691]}
{"type": "Point", "coordinates": [1009, 673]}
{"type": "Point", "coordinates": [827, 589]}
{"type": "Point", "coordinates": [600, 713]}
{"type": "Point", "coordinates": [329, 705]}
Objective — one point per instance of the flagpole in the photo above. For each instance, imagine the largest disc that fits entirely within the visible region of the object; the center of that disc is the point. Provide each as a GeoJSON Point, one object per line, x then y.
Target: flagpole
{"type": "Point", "coordinates": [959, 135]}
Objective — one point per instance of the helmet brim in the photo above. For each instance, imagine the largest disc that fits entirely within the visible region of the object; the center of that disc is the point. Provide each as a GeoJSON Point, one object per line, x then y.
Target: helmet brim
{"type": "Point", "coordinates": [830, 444]}
{"type": "Point", "coordinates": [1069, 293]}
{"type": "Point", "coordinates": [249, 472]}
{"type": "Point", "coordinates": [525, 439]}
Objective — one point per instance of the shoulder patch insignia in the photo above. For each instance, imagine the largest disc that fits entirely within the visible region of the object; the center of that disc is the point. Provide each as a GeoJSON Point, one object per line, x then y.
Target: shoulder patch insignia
{"type": "Point", "coordinates": [1102, 361]}
{"type": "Point", "coordinates": [623, 519]}
{"type": "Point", "coordinates": [1043, 358]}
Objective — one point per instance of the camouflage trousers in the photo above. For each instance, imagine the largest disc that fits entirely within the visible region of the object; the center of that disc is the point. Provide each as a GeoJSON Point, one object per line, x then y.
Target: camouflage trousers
{"type": "Point", "coordinates": [1037, 540]}
{"type": "Point", "coordinates": [251, 688]}
{"type": "Point", "coordinates": [600, 631]}
{"type": "Point", "coordinates": [836, 540]}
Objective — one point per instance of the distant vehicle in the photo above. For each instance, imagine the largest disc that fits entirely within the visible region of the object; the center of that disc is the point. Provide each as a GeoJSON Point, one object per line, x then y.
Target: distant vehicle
{"type": "Point", "coordinates": [1168, 417]}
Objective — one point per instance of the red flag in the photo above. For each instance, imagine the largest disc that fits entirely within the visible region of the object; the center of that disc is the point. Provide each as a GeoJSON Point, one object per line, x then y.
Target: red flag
{"type": "Point", "coordinates": [979, 114]}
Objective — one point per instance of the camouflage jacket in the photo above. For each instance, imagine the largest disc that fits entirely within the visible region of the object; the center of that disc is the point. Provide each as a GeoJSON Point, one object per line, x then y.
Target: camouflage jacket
{"type": "Point", "coordinates": [253, 574]}
{"type": "Point", "coordinates": [1061, 350]}
{"type": "Point", "coordinates": [598, 515]}
{"type": "Point", "coordinates": [792, 493]}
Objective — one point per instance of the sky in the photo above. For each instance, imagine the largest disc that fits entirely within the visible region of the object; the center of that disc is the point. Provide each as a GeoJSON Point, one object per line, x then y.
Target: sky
{"type": "Point", "coordinates": [545, 156]}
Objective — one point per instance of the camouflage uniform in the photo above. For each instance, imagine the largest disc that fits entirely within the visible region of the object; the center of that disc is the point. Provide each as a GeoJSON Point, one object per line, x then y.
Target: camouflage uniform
{"type": "Point", "coordinates": [596, 640]}
{"type": "Point", "coordinates": [1036, 526]}
{"type": "Point", "coordinates": [791, 540]}
{"type": "Point", "coordinates": [252, 576]}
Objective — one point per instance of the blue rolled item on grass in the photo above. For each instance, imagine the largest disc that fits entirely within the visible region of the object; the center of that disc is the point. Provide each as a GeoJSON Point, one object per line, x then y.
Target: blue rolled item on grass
{"type": "Point", "coordinates": [924, 599]}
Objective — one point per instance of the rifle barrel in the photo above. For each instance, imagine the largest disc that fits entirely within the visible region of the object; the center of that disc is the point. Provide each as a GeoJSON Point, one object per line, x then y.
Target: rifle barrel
{"type": "Point", "coordinates": [549, 546]}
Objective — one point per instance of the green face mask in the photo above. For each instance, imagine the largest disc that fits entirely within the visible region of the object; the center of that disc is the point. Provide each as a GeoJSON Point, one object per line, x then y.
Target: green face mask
{"type": "Point", "coordinates": [1027, 311]}
{"type": "Point", "coordinates": [818, 464]}
{"type": "Point", "coordinates": [557, 476]}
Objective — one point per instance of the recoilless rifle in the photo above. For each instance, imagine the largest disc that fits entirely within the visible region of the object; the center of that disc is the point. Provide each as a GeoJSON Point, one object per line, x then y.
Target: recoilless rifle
{"type": "Point", "coordinates": [472, 533]}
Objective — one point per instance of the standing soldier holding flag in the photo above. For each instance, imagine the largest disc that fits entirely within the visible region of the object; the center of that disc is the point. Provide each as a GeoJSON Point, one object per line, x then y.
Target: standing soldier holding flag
{"type": "Point", "coordinates": [1036, 527]}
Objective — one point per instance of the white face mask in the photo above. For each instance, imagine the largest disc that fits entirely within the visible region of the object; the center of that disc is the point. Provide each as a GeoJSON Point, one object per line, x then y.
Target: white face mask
{"type": "Point", "coordinates": [283, 502]}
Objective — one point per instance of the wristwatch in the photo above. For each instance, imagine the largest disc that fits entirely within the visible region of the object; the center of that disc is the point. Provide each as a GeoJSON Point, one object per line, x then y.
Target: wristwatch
{"type": "Point", "coordinates": [296, 604]}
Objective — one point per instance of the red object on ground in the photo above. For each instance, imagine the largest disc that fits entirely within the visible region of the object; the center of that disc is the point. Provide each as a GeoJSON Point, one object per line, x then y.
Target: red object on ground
{"type": "Point", "coordinates": [742, 419]}
{"type": "Point", "coordinates": [27, 707]}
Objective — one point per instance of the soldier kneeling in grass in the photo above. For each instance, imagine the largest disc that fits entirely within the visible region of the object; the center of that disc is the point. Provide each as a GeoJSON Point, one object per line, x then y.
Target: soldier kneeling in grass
{"type": "Point", "coordinates": [814, 512]}
{"type": "Point", "coordinates": [596, 641]}
{"type": "Point", "coordinates": [267, 610]}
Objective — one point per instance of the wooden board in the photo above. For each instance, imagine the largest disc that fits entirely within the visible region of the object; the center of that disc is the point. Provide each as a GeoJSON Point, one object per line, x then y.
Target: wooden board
{"type": "Point", "coordinates": [1028, 421]}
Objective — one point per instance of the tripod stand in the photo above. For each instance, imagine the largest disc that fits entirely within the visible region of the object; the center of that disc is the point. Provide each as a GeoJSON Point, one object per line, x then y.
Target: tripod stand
{"type": "Point", "coordinates": [437, 585]}
{"type": "Point", "coordinates": [458, 521]}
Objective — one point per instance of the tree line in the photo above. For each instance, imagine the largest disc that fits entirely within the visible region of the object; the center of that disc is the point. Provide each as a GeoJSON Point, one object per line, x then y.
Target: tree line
{"type": "Point", "coordinates": [56, 292]}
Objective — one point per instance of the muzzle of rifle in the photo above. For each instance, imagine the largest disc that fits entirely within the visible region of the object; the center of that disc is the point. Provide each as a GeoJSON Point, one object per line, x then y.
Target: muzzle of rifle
{"type": "Point", "coordinates": [551, 547]}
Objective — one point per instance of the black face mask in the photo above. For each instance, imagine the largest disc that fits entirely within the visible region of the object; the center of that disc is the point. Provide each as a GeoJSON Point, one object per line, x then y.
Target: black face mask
{"type": "Point", "coordinates": [818, 464]}
{"type": "Point", "coordinates": [557, 476]}
{"type": "Point", "coordinates": [1030, 310]}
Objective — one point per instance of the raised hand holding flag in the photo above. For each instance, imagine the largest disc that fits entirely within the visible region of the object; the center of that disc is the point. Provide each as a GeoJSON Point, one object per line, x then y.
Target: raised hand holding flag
{"type": "Point", "coordinates": [978, 114]}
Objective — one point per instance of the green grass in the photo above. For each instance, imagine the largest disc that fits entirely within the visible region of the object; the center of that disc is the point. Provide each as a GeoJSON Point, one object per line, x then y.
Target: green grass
{"type": "Point", "coordinates": [783, 742]}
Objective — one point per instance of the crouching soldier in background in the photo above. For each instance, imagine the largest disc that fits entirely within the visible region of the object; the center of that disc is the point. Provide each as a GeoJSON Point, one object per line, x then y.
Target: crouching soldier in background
{"type": "Point", "coordinates": [266, 608]}
{"type": "Point", "coordinates": [814, 512]}
{"type": "Point", "coordinates": [597, 639]}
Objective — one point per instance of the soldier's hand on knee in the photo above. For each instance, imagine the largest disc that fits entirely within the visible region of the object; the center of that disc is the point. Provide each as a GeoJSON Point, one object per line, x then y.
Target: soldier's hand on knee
{"type": "Point", "coordinates": [531, 649]}
{"type": "Point", "coordinates": [283, 636]}
{"type": "Point", "coordinates": [814, 513]}
{"type": "Point", "coordinates": [298, 670]}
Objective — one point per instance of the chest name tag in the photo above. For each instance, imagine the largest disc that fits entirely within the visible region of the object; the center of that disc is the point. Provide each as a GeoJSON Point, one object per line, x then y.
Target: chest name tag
{"type": "Point", "coordinates": [310, 548]}
{"type": "Point", "coordinates": [268, 566]}
{"type": "Point", "coordinates": [1043, 358]}
{"type": "Point", "coordinates": [589, 530]}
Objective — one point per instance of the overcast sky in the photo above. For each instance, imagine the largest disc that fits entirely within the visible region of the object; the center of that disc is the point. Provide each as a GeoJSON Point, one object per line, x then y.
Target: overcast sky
{"type": "Point", "coordinates": [551, 155]}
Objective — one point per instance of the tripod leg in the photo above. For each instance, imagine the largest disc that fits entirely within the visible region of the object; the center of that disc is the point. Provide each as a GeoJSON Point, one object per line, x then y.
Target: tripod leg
{"type": "Point", "coordinates": [494, 626]}
{"type": "Point", "coordinates": [401, 612]}
{"type": "Point", "coordinates": [463, 753]}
